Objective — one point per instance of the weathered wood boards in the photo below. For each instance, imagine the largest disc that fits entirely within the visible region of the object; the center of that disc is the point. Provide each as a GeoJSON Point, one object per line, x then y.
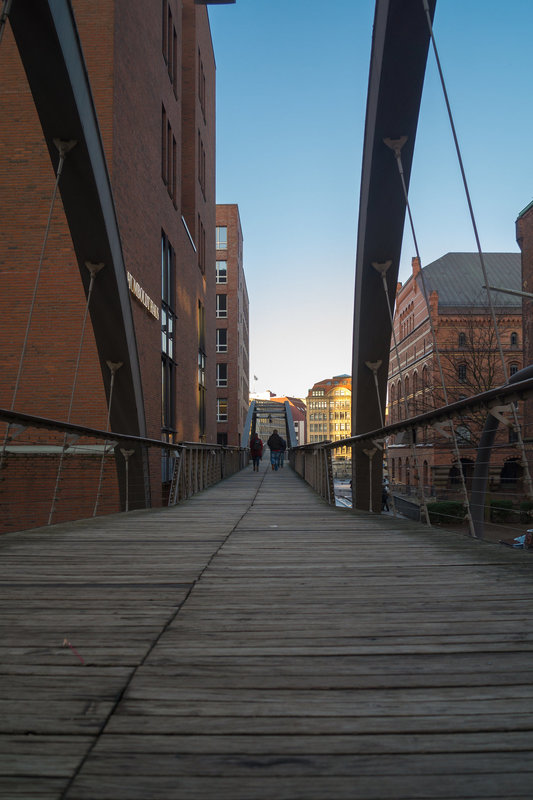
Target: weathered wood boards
{"type": "Point", "coordinates": [256, 643]}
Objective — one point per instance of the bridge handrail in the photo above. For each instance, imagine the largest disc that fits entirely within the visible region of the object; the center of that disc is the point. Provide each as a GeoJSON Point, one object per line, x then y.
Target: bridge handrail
{"type": "Point", "coordinates": [509, 392]}
{"type": "Point", "coordinates": [35, 421]}
{"type": "Point", "coordinates": [518, 388]}
{"type": "Point", "coordinates": [91, 470]}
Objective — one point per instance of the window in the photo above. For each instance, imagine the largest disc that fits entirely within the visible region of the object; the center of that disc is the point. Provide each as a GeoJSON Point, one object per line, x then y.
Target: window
{"type": "Point", "coordinates": [462, 340]}
{"type": "Point", "coordinates": [168, 334]}
{"type": "Point", "coordinates": [222, 237]}
{"type": "Point", "coordinates": [464, 434]}
{"type": "Point", "coordinates": [168, 156]}
{"type": "Point", "coordinates": [222, 271]}
{"type": "Point", "coordinates": [201, 370]}
{"type": "Point", "coordinates": [514, 340]}
{"type": "Point", "coordinates": [201, 246]}
{"type": "Point", "coordinates": [169, 44]}
{"type": "Point", "coordinates": [513, 368]}
{"type": "Point", "coordinates": [222, 409]}
{"type": "Point", "coordinates": [201, 164]}
{"type": "Point", "coordinates": [201, 83]}
{"type": "Point", "coordinates": [222, 340]}
{"type": "Point", "coordinates": [222, 305]}
{"type": "Point", "coordinates": [222, 375]}
{"type": "Point", "coordinates": [461, 373]}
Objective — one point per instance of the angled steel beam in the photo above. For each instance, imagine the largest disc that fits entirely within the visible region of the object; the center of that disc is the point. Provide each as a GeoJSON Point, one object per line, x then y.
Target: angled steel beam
{"type": "Point", "coordinates": [397, 67]}
{"type": "Point", "coordinates": [47, 39]}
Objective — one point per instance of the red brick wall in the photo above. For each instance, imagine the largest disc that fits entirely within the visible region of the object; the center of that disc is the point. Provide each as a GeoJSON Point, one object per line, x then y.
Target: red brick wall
{"type": "Point", "coordinates": [415, 348]}
{"type": "Point", "coordinates": [237, 303]}
{"type": "Point", "coordinates": [122, 43]}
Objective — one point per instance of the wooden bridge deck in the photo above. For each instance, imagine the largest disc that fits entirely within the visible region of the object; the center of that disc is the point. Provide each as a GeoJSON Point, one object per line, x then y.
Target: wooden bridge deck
{"type": "Point", "coordinates": [256, 643]}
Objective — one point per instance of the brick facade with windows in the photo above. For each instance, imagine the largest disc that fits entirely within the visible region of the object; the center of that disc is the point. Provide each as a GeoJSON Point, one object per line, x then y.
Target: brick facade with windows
{"type": "Point", "coordinates": [232, 321]}
{"type": "Point", "coordinates": [152, 73]}
{"type": "Point", "coordinates": [470, 364]}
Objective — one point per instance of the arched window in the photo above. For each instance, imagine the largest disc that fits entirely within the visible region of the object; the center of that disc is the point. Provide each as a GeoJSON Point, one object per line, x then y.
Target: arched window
{"type": "Point", "coordinates": [511, 473]}
{"type": "Point", "coordinates": [415, 390]}
{"type": "Point", "coordinates": [425, 379]}
{"type": "Point", "coordinates": [514, 339]}
{"type": "Point", "coordinates": [461, 373]}
{"type": "Point", "coordinates": [425, 474]}
{"type": "Point", "coordinates": [462, 340]}
{"type": "Point", "coordinates": [513, 368]}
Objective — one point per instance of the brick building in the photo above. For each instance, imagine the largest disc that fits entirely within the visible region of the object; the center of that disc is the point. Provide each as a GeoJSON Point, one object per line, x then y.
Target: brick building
{"type": "Point", "coordinates": [329, 411]}
{"type": "Point", "coordinates": [232, 328]}
{"type": "Point", "coordinates": [524, 237]}
{"type": "Point", "coordinates": [152, 73]}
{"type": "Point", "coordinates": [470, 364]}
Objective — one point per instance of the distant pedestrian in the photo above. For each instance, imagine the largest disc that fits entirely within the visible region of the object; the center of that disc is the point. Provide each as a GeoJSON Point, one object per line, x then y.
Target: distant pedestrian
{"type": "Point", "coordinates": [384, 497]}
{"type": "Point", "coordinates": [256, 451]}
{"type": "Point", "coordinates": [277, 446]}
{"type": "Point", "coordinates": [282, 453]}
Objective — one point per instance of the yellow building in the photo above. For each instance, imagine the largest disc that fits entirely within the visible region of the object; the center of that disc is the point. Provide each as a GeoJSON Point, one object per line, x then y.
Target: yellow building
{"type": "Point", "coordinates": [329, 411]}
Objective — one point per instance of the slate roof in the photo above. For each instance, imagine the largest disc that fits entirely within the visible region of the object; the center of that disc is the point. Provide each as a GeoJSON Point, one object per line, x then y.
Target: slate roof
{"type": "Point", "coordinates": [458, 279]}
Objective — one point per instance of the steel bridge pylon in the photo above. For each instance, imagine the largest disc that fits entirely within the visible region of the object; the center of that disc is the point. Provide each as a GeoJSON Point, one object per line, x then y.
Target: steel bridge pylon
{"type": "Point", "coordinates": [398, 62]}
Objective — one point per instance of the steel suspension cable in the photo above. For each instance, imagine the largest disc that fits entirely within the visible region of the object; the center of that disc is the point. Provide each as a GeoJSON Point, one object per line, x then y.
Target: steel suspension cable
{"type": "Point", "coordinates": [382, 269]}
{"type": "Point", "coordinates": [113, 368]}
{"type": "Point", "coordinates": [396, 146]}
{"type": "Point", "coordinates": [374, 367]}
{"type": "Point", "coordinates": [94, 269]}
{"type": "Point", "coordinates": [63, 148]}
{"type": "Point", "coordinates": [516, 422]}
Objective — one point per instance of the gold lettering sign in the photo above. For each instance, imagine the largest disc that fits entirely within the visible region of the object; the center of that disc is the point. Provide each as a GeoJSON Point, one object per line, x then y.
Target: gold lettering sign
{"type": "Point", "coordinates": [138, 292]}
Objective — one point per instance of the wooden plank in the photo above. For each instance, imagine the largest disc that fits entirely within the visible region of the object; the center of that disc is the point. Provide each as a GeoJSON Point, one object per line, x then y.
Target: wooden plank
{"type": "Point", "coordinates": [255, 642]}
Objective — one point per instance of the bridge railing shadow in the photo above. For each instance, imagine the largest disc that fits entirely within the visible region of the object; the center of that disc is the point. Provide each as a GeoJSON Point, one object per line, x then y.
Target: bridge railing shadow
{"type": "Point", "coordinates": [476, 477]}
{"type": "Point", "coordinates": [53, 472]}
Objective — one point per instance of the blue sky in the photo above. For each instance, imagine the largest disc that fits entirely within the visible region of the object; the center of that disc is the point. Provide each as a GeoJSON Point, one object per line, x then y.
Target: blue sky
{"type": "Point", "coordinates": [291, 94]}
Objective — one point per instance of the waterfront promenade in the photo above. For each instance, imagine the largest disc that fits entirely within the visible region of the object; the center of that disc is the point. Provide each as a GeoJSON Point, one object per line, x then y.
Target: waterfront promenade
{"type": "Point", "coordinates": [256, 643]}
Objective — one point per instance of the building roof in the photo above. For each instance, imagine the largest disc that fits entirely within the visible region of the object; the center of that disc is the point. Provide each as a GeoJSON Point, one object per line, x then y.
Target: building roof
{"type": "Point", "coordinates": [329, 383]}
{"type": "Point", "coordinates": [298, 406]}
{"type": "Point", "coordinates": [525, 210]}
{"type": "Point", "coordinates": [458, 279]}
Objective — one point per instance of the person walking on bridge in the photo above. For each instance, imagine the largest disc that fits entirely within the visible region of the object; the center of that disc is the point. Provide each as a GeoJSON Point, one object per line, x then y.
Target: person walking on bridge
{"type": "Point", "coordinates": [277, 447]}
{"type": "Point", "coordinates": [256, 451]}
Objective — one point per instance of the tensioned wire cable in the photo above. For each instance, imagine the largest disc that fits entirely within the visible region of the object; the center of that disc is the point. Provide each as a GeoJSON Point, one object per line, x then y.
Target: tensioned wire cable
{"type": "Point", "coordinates": [113, 367]}
{"type": "Point", "coordinates": [382, 269]}
{"type": "Point", "coordinates": [516, 422]}
{"type": "Point", "coordinates": [64, 148]}
{"type": "Point", "coordinates": [396, 146]}
{"type": "Point", "coordinates": [93, 269]}
{"type": "Point", "coordinates": [374, 366]}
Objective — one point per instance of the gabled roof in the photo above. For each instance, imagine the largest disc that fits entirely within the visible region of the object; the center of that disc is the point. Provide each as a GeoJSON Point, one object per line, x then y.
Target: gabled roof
{"type": "Point", "coordinates": [458, 279]}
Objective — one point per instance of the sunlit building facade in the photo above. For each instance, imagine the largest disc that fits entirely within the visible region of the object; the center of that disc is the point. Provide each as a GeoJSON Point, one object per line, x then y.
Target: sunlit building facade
{"type": "Point", "coordinates": [329, 409]}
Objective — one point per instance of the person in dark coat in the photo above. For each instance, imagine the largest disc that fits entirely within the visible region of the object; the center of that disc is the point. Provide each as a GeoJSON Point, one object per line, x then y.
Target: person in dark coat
{"type": "Point", "coordinates": [384, 497]}
{"type": "Point", "coordinates": [277, 447]}
{"type": "Point", "coordinates": [256, 451]}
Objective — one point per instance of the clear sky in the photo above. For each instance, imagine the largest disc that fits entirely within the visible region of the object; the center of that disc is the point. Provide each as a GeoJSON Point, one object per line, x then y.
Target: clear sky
{"type": "Point", "coordinates": [292, 79]}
